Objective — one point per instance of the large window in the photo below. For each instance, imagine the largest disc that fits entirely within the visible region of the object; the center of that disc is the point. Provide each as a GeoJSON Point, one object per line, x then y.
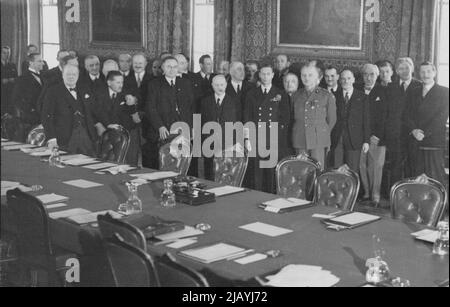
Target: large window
{"type": "Point", "coordinates": [443, 43]}
{"type": "Point", "coordinates": [202, 30]}
{"type": "Point", "coordinates": [50, 31]}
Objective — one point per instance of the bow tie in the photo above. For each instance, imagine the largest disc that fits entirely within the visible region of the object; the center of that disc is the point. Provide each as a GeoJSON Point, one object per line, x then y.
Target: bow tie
{"type": "Point", "coordinates": [72, 89]}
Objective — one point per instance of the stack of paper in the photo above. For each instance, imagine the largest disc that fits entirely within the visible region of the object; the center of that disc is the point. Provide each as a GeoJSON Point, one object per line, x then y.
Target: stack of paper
{"type": "Point", "coordinates": [352, 220]}
{"type": "Point", "coordinates": [427, 235]}
{"type": "Point", "coordinates": [45, 153]}
{"type": "Point", "coordinates": [83, 184]}
{"type": "Point", "coordinates": [52, 198]}
{"type": "Point", "coordinates": [18, 147]}
{"type": "Point", "coordinates": [68, 213]}
{"type": "Point", "coordinates": [226, 190]}
{"type": "Point", "coordinates": [156, 175]}
{"type": "Point", "coordinates": [31, 150]}
{"type": "Point", "coordinates": [79, 161]}
{"type": "Point", "coordinates": [188, 231]}
{"type": "Point", "coordinates": [91, 217]}
{"type": "Point", "coordinates": [119, 169]}
{"type": "Point", "coordinates": [266, 229]}
{"type": "Point", "coordinates": [100, 166]}
{"type": "Point", "coordinates": [215, 252]}
{"type": "Point", "coordinates": [302, 276]}
{"type": "Point", "coordinates": [283, 205]}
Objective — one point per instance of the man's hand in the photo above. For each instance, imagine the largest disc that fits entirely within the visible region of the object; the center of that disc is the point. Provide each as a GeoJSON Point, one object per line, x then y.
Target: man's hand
{"type": "Point", "coordinates": [100, 129]}
{"type": "Point", "coordinates": [52, 144]}
{"type": "Point", "coordinates": [130, 100]}
{"type": "Point", "coordinates": [113, 126]}
{"type": "Point", "coordinates": [365, 148]}
{"type": "Point", "coordinates": [136, 118]}
{"type": "Point", "coordinates": [374, 140]}
{"type": "Point", "coordinates": [418, 135]}
{"type": "Point", "coordinates": [163, 133]}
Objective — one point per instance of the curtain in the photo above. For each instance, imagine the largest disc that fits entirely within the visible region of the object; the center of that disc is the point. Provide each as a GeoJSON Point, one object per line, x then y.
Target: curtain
{"type": "Point", "coordinates": [229, 32]}
{"type": "Point", "coordinates": [418, 30]}
{"type": "Point", "coordinates": [14, 26]}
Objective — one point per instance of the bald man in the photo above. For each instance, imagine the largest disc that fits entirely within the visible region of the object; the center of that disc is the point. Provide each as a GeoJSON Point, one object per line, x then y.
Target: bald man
{"type": "Point", "coordinates": [238, 86]}
{"type": "Point", "coordinates": [372, 163]}
{"type": "Point", "coordinates": [351, 134]}
{"type": "Point", "coordinates": [137, 82]}
{"type": "Point", "coordinates": [220, 108]}
{"type": "Point", "coordinates": [66, 115]}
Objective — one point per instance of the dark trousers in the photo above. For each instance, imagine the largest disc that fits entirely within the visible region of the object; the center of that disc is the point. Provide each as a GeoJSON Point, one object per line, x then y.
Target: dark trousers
{"type": "Point", "coordinates": [80, 142]}
{"type": "Point", "coordinates": [263, 178]}
{"type": "Point", "coordinates": [134, 150]}
{"type": "Point", "coordinates": [342, 155]}
{"type": "Point", "coordinates": [150, 155]}
{"type": "Point", "coordinates": [411, 157]}
{"type": "Point", "coordinates": [432, 163]}
{"type": "Point", "coordinates": [396, 167]}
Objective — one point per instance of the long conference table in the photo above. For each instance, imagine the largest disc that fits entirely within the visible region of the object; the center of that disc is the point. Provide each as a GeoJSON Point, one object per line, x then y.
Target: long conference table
{"type": "Point", "coordinates": [343, 253]}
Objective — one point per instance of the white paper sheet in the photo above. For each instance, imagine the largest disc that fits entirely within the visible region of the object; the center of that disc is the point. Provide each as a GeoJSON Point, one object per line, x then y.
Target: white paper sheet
{"type": "Point", "coordinates": [429, 237]}
{"type": "Point", "coordinates": [76, 156]}
{"type": "Point", "coordinates": [51, 198]}
{"type": "Point", "coordinates": [251, 259]}
{"type": "Point", "coordinates": [156, 175]}
{"type": "Point", "coordinates": [182, 243]}
{"type": "Point", "coordinates": [83, 184]}
{"type": "Point", "coordinates": [80, 162]}
{"type": "Point", "coordinates": [18, 147]}
{"type": "Point", "coordinates": [188, 231]}
{"type": "Point", "coordinates": [9, 184]}
{"type": "Point", "coordinates": [45, 153]}
{"type": "Point", "coordinates": [226, 190]}
{"type": "Point", "coordinates": [214, 252]}
{"type": "Point", "coordinates": [68, 213]}
{"type": "Point", "coordinates": [92, 217]}
{"type": "Point", "coordinates": [355, 218]}
{"type": "Point", "coordinates": [100, 166]}
{"type": "Point", "coordinates": [54, 206]}
{"type": "Point", "coordinates": [283, 203]}
{"type": "Point", "coordinates": [266, 229]}
{"type": "Point", "coordinates": [10, 143]}
{"type": "Point", "coordinates": [31, 150]}
{"type": "Point", "coordinates": [302, 276]}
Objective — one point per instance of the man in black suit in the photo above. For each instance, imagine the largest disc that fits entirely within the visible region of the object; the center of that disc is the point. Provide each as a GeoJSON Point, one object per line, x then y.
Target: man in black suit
{"type": "Point", "coordinates": [238, 87]}
{"type": "Point", "coordinates": [372, 163]}
{"type": "Point", "coordinates": [170, 100]}
{"type": "Point", "coordinates": [25, 64]}
{"type": "Point", "coordinates": [219, 108]}
{"type": "Point", "coordinates": [400, 145]}
{"type": "Point", "coordinates": [113, 107]}
{"type": "Point", "coordinates": [9, 75]}
{"type": "Point", "coordinates": [204, 79]}
{"type": "Point", "coordinates": [386, 72]}
{"type": "Point", "coordinates": [137, 82]}
{"type": "Point", "coordinates": [427, 116]}
{"type": "Point", "coordinates": [66, 115]}
{"type": "Point", "coordinates": [282, 64]}
{"type": "Point", "coordinates": [331, 77]}
{"type": "Point", "coordinates": [26, 93]}
{"type": "Point", "coordinates": [264, 106]}
{"type": "Point", "coordinates": [125, 64]}
{"type": "Point", "coordinates": [351, 134]}
{"type": "Point", "coordinates": [92, 80]}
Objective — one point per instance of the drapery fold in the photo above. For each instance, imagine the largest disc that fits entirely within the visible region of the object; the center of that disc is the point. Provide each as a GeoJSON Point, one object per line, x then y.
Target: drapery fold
{"type": "Point", "coordinates": [15, 20]}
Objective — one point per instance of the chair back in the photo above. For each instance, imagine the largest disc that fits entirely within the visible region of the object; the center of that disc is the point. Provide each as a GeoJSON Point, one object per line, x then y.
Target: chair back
{"type": "Point", "coordinates": [231, 167]}
{"type": "Point", "coordinates": [33, 234]}
{"type": "Point", "coordinates": [37, 136]}
{"type": "Point", "coordinates": [295, 177]}
{"type": "Point", "coordinates": [175, 155]}
{"type": "Point", "coordinates": [173, 274]}
{"type": "Point", "coordinates": [109, 227]}
{"type": "Point", "coordinates": [419, 200]}
{"type": "Point", "coordinates": [114, 145]}
{"type": "Point", "coordinates": [337, 188]}
{"type": "Point", "coordinates": [131, 266]}
{"type": "Point", "coordinates": [12, 128]}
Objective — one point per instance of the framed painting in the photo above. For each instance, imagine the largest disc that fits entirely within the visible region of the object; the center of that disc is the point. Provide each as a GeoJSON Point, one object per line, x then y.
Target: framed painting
{"type": "Point", "coordinates": [117, 22]}
{"type": "Point", "coordinates": [335, 28]}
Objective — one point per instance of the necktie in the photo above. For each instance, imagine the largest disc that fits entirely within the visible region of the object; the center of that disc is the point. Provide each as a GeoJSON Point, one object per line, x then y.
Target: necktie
{"type": "Point", "coordinates": [37, 77]}
{"type": "Point", "coordinates": [139, 80]}
{"type": "Point", "coordinates": [172, 84]}
{"type": "Point", "coordinates": [218, 102]}
{"type": "Point", "coordinates": [404, 86]}
{"type": "Point", "coordinates": [347, 98]}
{"type": "Point", "coordinates": [113, 96]}
{"type": "Point", "coordinates": [265, 91]}
{"type": "Point", "coordinates": [238, 88]}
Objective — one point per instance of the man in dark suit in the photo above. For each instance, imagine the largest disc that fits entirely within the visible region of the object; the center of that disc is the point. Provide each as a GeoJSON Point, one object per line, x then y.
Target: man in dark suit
{"type": "Point", "coordinates": [427, 116]}
{"type": "Point", "coordinates": [92, 80]}
{"type": "Point", "coordinates": [204, 79]}
{"type": "Point", "coordinates": [125, 64]}
{"type": "Point", "coordinates": [372, 163]}
{"type": "Point", "coordinates": [331, 77]}
{"type": "Point", "coordinates": [399, 144]}
{"type": "Point", "coordinates": [9, 75]}
{"type": "Point", "coordinates": [282, 64]}
{"type": "Point", "coordinates": [265, 106]}
{"type": "Point", "coordinates": [137, 82]}
{"type": "Point", "coordinates": [351, 134]}
{"type": "Point", "coordinates": [251, 72]}
{"type": "Point", "coordinates": [219, 108]}
{"type": "Point", "coordinates": [66, 115]}
{"type": "Point", "coordinates": [238, 87]}
{"type": "Point", "coordinates": [170, 99]}
{"type": "Point", "coordinates": [25, 64]}
{"type": "Point", "coordinates": [27, 89]}
{"type": "Point", "coordinates": [113, 107]}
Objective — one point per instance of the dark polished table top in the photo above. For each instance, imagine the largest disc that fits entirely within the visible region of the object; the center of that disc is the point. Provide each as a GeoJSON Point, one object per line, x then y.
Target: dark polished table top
{"type": "Point", "coordinates": [343, 253]}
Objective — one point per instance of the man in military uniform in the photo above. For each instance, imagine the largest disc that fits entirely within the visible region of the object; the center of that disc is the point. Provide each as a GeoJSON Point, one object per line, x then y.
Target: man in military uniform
{"type": "Point", "coordinates": [314, 116]}
{"type": "Point", "coordinates": [267, 104]}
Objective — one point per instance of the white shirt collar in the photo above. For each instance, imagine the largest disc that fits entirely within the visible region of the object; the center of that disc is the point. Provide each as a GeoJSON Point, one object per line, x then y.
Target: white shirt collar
{"type": "Point", "coordinates": [140, 74]}
{"type": "Point", "coordinates": [169, 80]}
{"type": "Point", "coordinates": [428, 87]}
{"type": "Point", "coordinates": [406, 82]}
{"type": "Point", "coordinates": [126, 73]}
{"type": "Point", "coordinates": [368, 91]}
{"type": "Point", "coordinates": [264, 88]}
{"type": "Point", "coordinates": [32, 70]}
{"type": "Point", "coordinates": [335, 88]}
{"type": "Point", "coordinates": [221, 97]}
{"type": "Point", "coordinates": [111, 92]}
{"type": "Point", "coordinates": [350, 92]}
{"type": "Point", "coordinates": [235, 84]}
{"type": "Point", "coordinates": [93, 78]}
{"type": "Point", "coordinates": [204, 75]}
